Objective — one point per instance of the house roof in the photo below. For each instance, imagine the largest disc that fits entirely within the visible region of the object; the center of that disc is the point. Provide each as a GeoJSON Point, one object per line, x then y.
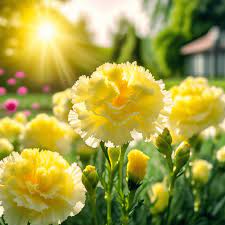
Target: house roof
{"type": "Point", "coordinates": [204, 43]}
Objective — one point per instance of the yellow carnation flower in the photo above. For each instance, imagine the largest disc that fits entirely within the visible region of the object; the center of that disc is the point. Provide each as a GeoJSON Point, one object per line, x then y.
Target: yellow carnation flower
{"type": "Point", "coordinates": [39, 187]}
{"type": "Point", "coordinates": [20, 117]}
{"type": "Point", "coordinates": [220, 155]}
{"type": "Point", "coordinates": [117, 102]}
{"type": "Point", "coordinates": [62, 104]}
{"type": "Point", "coordinates": [159, 197]}
{"type": "Point", "coordinates": [196, 107]}
{"type": "Point", "coordinates": [10, 129]}
{"type": "Point", "coordinates": [5, 148]}
{"type": "Point", "coordinates": [136, 166]}
{"type": "Point", "coordinates": [201, 170]}
{"type": "Point", "coordinates": [47, 132]}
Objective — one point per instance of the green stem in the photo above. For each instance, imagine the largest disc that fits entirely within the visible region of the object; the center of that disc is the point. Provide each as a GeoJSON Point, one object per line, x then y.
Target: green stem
{"type": "Point", "coordinates": [170, 163]}
{"type": "Point", "coordinates": [128, 206]}
{"type": "Point", "coordinates": [197, 201]}
{"type": "Point", "coordinates": [109, 198]}
{"type": "Point", "coordinates": [105, 151]}
{"type": "Point", "coordinates": [93, 208]}
{"type": "Point", "coordinates": [120, 170]}
{"type": "Point", "coordinates": [2, 222]}
{"type": "Point", "coordinates": [171, 188]}
{"type": "Point", "coordinates": [109, 186]}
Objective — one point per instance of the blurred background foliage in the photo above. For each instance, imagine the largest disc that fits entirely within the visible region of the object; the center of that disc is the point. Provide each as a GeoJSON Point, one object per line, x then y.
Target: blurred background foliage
{"type": "Point", "coordinates": [184, 21]}
{"type": "Point", "coordinates": [73, 52]}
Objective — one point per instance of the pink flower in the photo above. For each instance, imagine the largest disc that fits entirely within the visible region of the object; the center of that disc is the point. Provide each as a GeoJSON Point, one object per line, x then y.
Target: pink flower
{"type": "Point", "coordinates": [35, 106]}
{"type": "Point", "coordinates": [20, 75]}
{"type": "Point", "coordinates": [27, 113]}
{"type": "Point", "coordinates": [22, 90]}
{"type": "Point", "coordinates": [46, 88]}
{"type": "Point", "coordinates": [11, 81]}
{"type": "Point", "coordinates": [2, 91]}
{"type": "Point", "coordinates": [11, 105]}
{"type": "Point", "coordinates": [2, 71]}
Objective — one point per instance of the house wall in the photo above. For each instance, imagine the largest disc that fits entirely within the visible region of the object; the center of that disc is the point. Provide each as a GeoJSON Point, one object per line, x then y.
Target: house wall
{"type": "Point", "coordinates": [203, 64]}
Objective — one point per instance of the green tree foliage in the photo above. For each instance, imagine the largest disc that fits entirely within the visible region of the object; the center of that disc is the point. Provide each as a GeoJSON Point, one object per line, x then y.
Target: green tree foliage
{"type": "Point", "coordinates": [125, 43]}
{"type": "Point", "coordinates": [179, 31]}
{"type": "Point", "coordinates": [57, 63]}
{"type": "Point", "coordinates": [187, 21]}
{"type": "Point", "coordinates": [127, 46]}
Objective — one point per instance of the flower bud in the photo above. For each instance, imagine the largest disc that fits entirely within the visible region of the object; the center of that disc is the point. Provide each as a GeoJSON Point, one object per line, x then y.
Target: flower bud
{"type": "Point", "coordinates": [220, 155]}
{"type": "Point", "coordinates": [159, 197]}
{"type": "Point", "coordinates": [5, 148]}
{"type": "Point", "coordinates": [201, 170]}
{"type": "Point", "coordinates": [90, 178]}
{"type": "Point", "coordinates": [181, 156]}
{"type": "Point", "coordinates": [136, 168]}
{"type": "Point", "coordinates": [163, 142]}
{"type": "Point", "coordinates": [20, 117]}
{"type": "Point", "coordinates": [114, 156]}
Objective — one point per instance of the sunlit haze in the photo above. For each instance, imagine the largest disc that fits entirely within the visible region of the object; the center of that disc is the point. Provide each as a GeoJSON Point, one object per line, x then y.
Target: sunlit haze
{"type": "Point", "coordinates": [104, 14]}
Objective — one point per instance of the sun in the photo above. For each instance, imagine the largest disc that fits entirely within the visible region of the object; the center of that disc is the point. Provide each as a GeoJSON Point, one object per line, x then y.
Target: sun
{"type": "Point", "coordinates": [46, 31]}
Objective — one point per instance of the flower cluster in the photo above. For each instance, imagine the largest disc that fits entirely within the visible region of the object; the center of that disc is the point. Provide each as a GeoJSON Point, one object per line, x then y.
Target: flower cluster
{"type": "Point", "coordinates": [115, 106]}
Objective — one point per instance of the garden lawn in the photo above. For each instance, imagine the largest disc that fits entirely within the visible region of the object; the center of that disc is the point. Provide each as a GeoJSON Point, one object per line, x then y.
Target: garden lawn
{"type": "Point", "coordinates": [175, 81]}
{"type": "Point", "coordinates": [25, 102]}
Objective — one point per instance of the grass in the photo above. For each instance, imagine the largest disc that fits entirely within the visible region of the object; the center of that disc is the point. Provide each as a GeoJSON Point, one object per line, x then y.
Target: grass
{"type": "Point", "coordinates": [175, 81]}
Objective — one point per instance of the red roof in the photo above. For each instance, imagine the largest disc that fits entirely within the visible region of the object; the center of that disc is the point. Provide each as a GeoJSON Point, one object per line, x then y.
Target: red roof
{"type": "Point", "coordinates": [201, 44]}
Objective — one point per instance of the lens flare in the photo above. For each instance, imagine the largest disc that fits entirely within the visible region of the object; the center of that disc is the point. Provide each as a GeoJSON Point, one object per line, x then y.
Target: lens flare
{"type": "Point", "coordinates": [46, 31]}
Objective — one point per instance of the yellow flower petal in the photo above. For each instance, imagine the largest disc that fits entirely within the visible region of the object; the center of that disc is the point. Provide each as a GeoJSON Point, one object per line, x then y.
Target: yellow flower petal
{"type": "Point", "coordinates": [117, 101]}
{"type": "Point", "coordinates": [201, 171]}
{"type": "Point", "coordinates": [62, 104]}
{"type": "Point", "coordinates": [159, 197]}
{"type": "Point", "coordinates": [137, 165]}
{"type": "Point", "coordinates": [47, 132]}
{"type": "Point", "coordinates": [196, 107]}
{"type": "Point", "coordinates": [39, 187]}
{"type": "Point", "coordinates": [10, 129]}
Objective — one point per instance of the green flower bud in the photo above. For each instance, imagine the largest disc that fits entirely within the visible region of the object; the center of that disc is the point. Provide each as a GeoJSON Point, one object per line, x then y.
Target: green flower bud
{"type": "Point", "coordinates": [163, 142]}
{"type": "Point", "coordinates": [167, 136]}
{"type": "Point", "coordinates": [114, 156]}
{"type": "Point", "coordinates": [90, 178]}
{"type": "Point", "coordinates": [181, 156]}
